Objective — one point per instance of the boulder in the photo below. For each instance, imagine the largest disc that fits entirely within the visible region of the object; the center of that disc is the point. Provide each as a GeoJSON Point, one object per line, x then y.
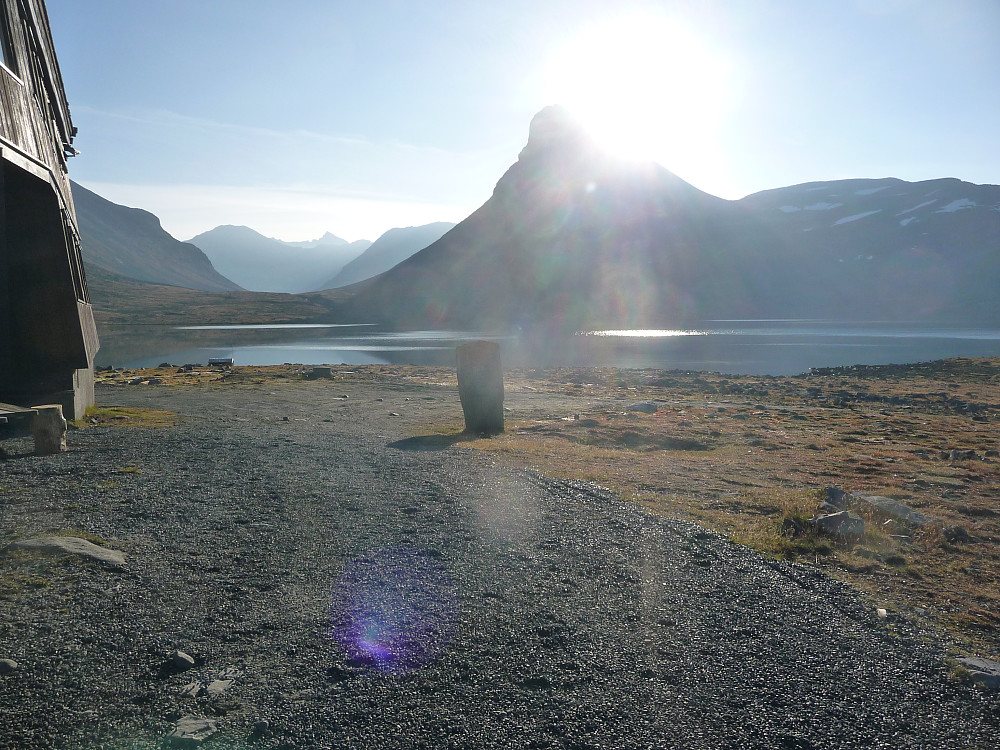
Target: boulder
{"type": "Point", "coordinates": [844, 525]}
{"type": "Point", "coordinates": [480, 387]}
{"type": "Point", "coordinates": [191, 731]}
{"type": "Point", "coordinates": [984, 672]}
{"type": "Point", "coordinates": [49, 430]}
{"type": "Point", "coordinates": [646, 407]}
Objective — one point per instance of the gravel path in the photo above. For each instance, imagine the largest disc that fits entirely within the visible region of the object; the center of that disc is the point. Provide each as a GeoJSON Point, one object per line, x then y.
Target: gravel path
{"type": "Point", "coordinates": [338, 584]}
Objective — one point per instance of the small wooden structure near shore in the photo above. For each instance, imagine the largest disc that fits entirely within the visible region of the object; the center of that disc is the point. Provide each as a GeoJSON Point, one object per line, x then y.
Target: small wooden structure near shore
{"type": "Point", "coordinates": [48, 338]}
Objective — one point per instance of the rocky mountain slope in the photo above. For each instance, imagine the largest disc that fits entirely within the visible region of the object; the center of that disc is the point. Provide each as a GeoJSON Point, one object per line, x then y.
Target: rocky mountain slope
{"type": "Point", "coordinates": [264, 264]}
{"type": "Point", "coordinates": [130, 242]}
{"type": "Point", "coordinates": [391, 248]}
{"type": "Point", "coordinates": [572, 239]}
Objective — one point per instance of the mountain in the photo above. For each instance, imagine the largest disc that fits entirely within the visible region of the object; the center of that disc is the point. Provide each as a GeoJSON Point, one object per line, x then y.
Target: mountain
{"type": "Point", "coordinates": [268, 265]}
{"type": "Point", "coordinates": [130, 242]}
{"type": "Point", "coordinates": [391, 248]}
{"type": "Point", "coordinates": [329, 240]}
{"type": "Point", "coordinates": [572, 239]}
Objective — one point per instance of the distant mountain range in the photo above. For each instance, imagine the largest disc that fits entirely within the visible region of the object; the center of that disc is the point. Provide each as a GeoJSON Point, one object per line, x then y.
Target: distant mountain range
{"type": "Point", "coordinates": [130, 242]}
{"type": "Point", "coordinates": [391, 248]}
{"type": "Point", "coordinates": [573, 240]}
{"type": "Point", "coordinates": [263, 264]}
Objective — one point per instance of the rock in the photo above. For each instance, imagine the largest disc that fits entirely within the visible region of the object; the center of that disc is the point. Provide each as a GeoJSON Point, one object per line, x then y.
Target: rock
{"type": "Point", "coordinates": [218, 687]}
{"type": "Point", "coordinates": [49, 430]}
{"type": "Point", "coordinates": [792, 527]}
{"type": "Point", "coordinates": [884, 507]}
{"type": "Point", "coordinates": [7, 666]}
{"type": "Point", "coordinates": [956, 534]}
{"type": "Point", "coordinates": [191, 690]}
{"type": "Point", "coordinates": [319, 372]}
{"type": "Point", "coordinates": [261, 728]}
{"type": "Point", "coordinates": [646, 407]}
{"type": "Point", "coordinates": [957, 455]}
{"type": "Point", "coordinates": [589, 423]}
{"type": "Point", "coordinates": [992, 454]}
{"type": "Point", "coordinates": [883, 614]}
{"type": "Point", "coordinates": [985, 672]}
{"type": "Point", "coordinates": [844, 525]}
{"type": "Point", "coordinates": [181, 661]}
{"type": "Point", "coordinates": [480, 387]}
{"type": "Point", "coordinates": [71, 545]}
{"type": "Point", "coordinates": [154, 381]}
{"type": "Point", "coordinates": [835, 497]}
{"type": "Point", "coordinates": [193, 730]}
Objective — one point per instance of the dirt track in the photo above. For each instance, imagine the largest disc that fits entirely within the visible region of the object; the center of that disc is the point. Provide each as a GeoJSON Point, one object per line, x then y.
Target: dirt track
{"type": "Point", "coordinates": [364, 587]}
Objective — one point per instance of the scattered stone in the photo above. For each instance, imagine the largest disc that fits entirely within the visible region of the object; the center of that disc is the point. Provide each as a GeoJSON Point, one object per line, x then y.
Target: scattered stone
{"type": "Point", "coordinates": [957, 534]}
{"type": "Point", "coordinates": [884, 507]}
{"type": "Point", "coordinates": [163, 365]}
{"type": "Point", "coordinates": [957, 455]}
{"type": "Point", "coordinates": [7, 666]}
{"type": "Point", "coordinates": [393, 414]}
{"type": "Point", "coordinates": [71, 545]}
{"type": "Point", "coordinates": [261, 728]}
{"type": "Point", "coordinates": [844, 525]}
{"type": "Point", "coordinates": [218, 687]}
{"type": "Point", "coordinates": [193, 730]}
{"type": "Point", "coordinates": [792, 527]}
{"type": "Point", "coordinates": [646, 407]}
{"type": "Point", "coordinates": [181, 661]}
{"type": "Point", "coordinates": [835, 497]}
{"type": "Point", "coordinates": [319, 372]}
{"type": "Point", "coordinates": [154, 381]}
{"type": "Point", "coordinates": [985, 672]}
{"type": "Point", "coordinates": [191, 690]}
{"type": "Point", "coordinates": [883, 614]}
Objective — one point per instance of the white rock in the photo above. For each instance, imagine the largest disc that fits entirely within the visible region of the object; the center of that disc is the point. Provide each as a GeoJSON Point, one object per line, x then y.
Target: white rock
{"type": "Point", "coordinates": [193, 730]}
{"type": "Point", "coordinates": [71, 545]}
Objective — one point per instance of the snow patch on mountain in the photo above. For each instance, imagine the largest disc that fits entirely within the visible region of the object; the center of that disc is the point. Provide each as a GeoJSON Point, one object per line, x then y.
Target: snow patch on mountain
{"type": "Point", "coordinates": [789, 209]}
{"type": "Point", "coordinates": [919, 205]}
{"type": "Point", "coordinates": [870, 191]}
{"type": "Point", "coordinates": [821, 206]}
{"type": "Point", "coordinates": [855, 217]}
{"type": "Point", "coordinates": [907, 220]}
{"type": "Point", "coordinates": [956, 206]}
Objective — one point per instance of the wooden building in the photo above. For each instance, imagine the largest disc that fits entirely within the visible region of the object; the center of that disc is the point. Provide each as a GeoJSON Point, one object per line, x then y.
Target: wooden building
{"type": "Point", "coordinates": [47, 334]}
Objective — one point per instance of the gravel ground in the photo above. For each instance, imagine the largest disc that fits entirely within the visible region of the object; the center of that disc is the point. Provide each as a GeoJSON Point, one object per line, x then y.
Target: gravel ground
{"type": "Point", "coordinates": [343, 584]}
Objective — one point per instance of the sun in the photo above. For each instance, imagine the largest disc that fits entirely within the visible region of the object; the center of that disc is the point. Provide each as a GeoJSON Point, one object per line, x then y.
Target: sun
{"type": "Point", "coordinates": [644, 87]}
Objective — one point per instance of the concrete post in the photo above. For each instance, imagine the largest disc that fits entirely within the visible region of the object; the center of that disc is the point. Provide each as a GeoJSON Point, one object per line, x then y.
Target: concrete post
{"type": "Point", "coordinates": [49, 430]}
{"type": "Point", "coordinates": [480, 386]}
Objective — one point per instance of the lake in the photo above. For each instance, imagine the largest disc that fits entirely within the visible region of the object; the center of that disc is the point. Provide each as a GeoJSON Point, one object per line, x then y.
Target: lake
{"type": "Point", "coordinates": [774, 347]}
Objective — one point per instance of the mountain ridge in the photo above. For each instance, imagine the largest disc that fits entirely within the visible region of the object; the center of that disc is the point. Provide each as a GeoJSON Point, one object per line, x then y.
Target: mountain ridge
{"type": "Point", "coordinates": [571, 240]}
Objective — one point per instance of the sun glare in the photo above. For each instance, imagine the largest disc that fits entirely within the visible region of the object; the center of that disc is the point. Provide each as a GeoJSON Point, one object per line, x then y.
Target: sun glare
{"type": "Point", "coordinates": [644, 87]}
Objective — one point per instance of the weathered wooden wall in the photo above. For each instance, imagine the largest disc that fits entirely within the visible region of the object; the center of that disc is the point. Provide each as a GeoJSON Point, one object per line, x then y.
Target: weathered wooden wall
{"type": "Point", "coordinates": [47, 334]}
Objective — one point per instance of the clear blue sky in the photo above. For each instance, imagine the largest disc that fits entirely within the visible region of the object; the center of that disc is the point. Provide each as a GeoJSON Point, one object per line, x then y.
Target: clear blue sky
{"type": "Point", "coordinates": [303, 116]}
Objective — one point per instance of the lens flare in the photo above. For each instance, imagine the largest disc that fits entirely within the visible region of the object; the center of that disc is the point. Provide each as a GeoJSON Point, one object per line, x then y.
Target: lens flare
{"type": "Point", "coordinates": [393, 610]}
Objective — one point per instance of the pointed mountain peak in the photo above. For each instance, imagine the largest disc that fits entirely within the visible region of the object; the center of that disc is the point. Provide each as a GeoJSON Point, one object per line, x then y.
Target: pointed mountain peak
{"type": "Point", "coordinates": [554, 130]}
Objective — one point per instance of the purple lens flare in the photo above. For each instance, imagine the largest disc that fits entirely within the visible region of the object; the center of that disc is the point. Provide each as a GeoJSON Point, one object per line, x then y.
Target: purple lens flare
{"type": "Point", "coordinates": [393, 610]}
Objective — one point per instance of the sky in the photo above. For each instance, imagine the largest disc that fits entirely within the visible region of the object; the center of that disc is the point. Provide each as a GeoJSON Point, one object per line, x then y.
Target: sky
{"type": "Point", "coordinates": [356, 116]}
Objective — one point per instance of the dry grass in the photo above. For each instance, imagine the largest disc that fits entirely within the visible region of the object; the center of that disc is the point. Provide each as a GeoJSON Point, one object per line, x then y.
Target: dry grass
{"type": "Point", "coordinates": [750, 456]}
